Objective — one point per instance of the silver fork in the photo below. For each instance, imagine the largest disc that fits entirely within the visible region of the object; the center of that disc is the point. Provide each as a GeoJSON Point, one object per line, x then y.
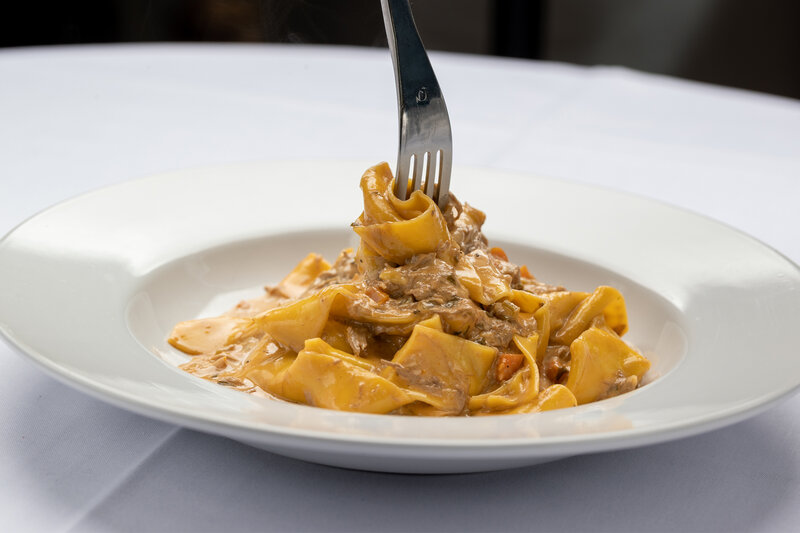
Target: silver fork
{"type": "Point", "coordinates": [426, 142]}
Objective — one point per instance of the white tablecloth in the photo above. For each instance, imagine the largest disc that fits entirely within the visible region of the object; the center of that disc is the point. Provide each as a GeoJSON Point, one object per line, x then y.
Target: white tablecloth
{"type": "Point", "coordinates": [74, 119]}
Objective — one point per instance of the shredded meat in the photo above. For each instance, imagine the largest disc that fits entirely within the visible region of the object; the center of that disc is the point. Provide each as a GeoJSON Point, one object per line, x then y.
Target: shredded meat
{"type": "Point", "coordinates": [343, 270]}
{"type": "Point", "coordinates": [535, 286]}
{"type": "Point", "coordinates": [555, 364]}
{"type": "Point", "coordinates": [508, 270]}
{"type": "Point", "coordinates": [357, 338]}
{"type": "Point", "coordinates": [426, 278]}
{"type": "Point", "coordinates": [464, 223]}
{"type": "Point", "coordinates": [427, 285]}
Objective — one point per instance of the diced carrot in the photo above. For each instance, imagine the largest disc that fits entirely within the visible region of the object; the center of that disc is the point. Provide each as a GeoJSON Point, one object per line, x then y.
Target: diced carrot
{"type": "Point", "coordinates": [499, 253]}
{"type": "Point", "coordinates": [525, 273]}
{"type": "Point", "coordinates": [377, 295]}
{"type": "Point", "coordinates": [507, 364]}
{"type": "Point", "coordinates": [554, 369]}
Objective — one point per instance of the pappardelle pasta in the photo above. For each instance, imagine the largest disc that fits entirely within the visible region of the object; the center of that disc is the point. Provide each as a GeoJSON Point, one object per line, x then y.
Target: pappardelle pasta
{"type": "Point", "coordinates": [424, 318]}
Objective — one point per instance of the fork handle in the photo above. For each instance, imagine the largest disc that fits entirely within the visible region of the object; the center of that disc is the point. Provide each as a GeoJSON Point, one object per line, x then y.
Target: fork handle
{"type": "Point", "coordinates": [413, 73]}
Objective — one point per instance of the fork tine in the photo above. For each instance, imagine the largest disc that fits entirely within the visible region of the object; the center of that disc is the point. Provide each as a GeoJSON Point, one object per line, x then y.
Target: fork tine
{"type": "Point", "coordinates": [443, 187]}
{"type": "Point", "coordinates": [401, 178]}
{"type": "Point", "coordinates": [430, 178]}
{"type": "Point", "coordinates": [417, 183]}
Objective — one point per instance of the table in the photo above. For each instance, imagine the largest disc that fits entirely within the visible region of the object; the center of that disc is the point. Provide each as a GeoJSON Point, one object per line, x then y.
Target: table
{"type": "Point", "coordinates": [76, 118]}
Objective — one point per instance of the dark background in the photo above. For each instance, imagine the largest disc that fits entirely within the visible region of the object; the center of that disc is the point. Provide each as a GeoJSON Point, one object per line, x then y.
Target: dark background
{"type": "Point", "coordinates": [752, 44]}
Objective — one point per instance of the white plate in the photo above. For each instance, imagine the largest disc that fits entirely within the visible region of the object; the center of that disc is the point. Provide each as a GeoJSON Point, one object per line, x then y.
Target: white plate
{"type": "Point", "coordinates": [91, 287]}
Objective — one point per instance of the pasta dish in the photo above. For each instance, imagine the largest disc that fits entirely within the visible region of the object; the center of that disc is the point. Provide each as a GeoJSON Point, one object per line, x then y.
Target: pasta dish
{"type": "Point", "coordinates": [423, 318]}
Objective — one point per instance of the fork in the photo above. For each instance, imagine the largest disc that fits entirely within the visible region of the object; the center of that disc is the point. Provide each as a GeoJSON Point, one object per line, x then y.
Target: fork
{"type": "Point", "coordinates": [426, 142]}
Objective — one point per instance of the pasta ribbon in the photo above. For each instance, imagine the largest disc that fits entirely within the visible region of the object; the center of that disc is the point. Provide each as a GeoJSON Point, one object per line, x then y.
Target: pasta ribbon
{"type": "Point", "coordinates": [481, 278]}
{"type": "Point", "coordinates": [588, 309]}
{"type": "Point", "coordinates": [209, 335]}
{"type": "Point", "coordinates": [268, 370]}
{"type": "Point", "coordinates": [553, 397]}
{"type": "Point", "coordinates": [323, 376]}
{"type": "Point", "coordinates": [301, 277]}
{"type": "Point", "coordinates": [523, 387]}
{"type": "Point", "coordinates": [368, 259]}
{"type": "Point", "coordinates": [561, 304]}
{"type": "Point", "coordinates": [434, 322]}
{"type": "Point", "coordinates": [398, 229]}
{"type": "Point", "coordinates": [443, 366]}
{"type": "Point", "coordinates": [527, 302]}
{"type": "Point", "coordinates": [299, 320]}
{"type": "Point", "coordinates": [603, 364]}
{"type": "Point", "coordinates": [303, 319]}
{"type": "Point", "coordinates": [335, 334]}
{"type": "Point", "coordinates": [542, 316]}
